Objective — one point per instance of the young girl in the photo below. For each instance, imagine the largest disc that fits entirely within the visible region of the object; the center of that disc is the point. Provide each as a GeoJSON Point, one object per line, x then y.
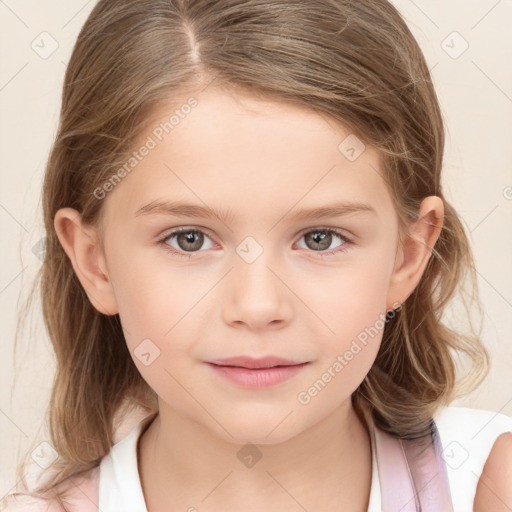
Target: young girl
{"type": "Point", "coordinates": [248, 241]}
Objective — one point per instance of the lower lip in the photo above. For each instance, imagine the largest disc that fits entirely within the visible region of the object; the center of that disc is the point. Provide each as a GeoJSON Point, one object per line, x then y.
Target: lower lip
{"type": "Point", "coordinates": [257, 378]}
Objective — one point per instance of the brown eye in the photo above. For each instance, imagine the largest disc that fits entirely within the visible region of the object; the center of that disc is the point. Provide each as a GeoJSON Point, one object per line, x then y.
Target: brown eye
{"type": "Point", "coordinates": [190, 240]}
{"type": "Point", "coordinates": [319, 240]}
{"type": "Point", "coordinates": [187, 240]}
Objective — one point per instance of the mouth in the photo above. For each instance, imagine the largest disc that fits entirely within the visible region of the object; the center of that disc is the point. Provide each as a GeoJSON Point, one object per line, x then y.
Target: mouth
{"type": "Point", "coordinates": [256, 363]}
{"type": "Point", "coordinates": [247, 372]}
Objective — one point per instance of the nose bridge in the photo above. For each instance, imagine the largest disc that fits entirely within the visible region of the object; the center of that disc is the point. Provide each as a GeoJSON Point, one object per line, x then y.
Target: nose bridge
{"type": "Point", "coordinates": [257, 295]}
{"type": "Point", "coordinates": [252, 267]}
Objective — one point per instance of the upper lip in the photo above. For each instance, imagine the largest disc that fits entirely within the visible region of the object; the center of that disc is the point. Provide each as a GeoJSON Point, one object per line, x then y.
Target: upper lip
{"type": "Point", "coordinates": [251, 362]}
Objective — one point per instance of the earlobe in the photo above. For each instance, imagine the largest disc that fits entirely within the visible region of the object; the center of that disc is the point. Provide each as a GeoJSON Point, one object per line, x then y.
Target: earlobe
{"type": "Point", "coordinates": [81, 244]}
{"type": "Point", "coordinates": [416, 250]}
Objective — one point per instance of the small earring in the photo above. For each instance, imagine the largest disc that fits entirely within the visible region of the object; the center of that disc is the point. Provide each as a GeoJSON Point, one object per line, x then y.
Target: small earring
{"type": "Point", "coordinates": [390, 314]}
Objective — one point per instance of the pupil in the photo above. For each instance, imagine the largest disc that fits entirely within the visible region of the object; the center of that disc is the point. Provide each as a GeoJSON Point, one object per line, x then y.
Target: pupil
{"type": "Point", "coordinates": [318, 238]}
{"type": "Point", "coordinates": [189, 238]}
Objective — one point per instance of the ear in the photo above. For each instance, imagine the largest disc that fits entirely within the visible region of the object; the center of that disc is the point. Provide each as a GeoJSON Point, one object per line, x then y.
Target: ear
{"type": "Point", "coordinates": [413, 256]}
{"type": "Point", "coordinates": [81, 244]}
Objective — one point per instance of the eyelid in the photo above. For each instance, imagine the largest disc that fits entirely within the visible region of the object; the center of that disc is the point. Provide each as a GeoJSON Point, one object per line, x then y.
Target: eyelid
{"type": "Point", "coordinates": [180, 229]}
{"type": "Point", "coordinates": [340, 231]}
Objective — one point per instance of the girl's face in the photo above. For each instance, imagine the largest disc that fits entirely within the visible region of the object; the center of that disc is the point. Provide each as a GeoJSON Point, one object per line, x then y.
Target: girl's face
{"type": "Point", "coordinates": [260, 277]}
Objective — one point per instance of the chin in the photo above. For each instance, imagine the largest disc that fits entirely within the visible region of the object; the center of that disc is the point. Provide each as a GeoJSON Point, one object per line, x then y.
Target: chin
{"type": "Point", "coordinates": [255, 429]}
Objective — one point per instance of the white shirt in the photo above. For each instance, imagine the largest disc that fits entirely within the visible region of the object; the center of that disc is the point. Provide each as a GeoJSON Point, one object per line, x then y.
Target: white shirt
{"type": "Point", "coordinates": [467, 437]}
{"type": "Point", "coordinates": [120, 488]}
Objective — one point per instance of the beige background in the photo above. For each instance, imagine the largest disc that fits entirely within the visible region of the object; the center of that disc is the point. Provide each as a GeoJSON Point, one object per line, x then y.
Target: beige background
{"type": "Point", "coordinates": [475, 91]}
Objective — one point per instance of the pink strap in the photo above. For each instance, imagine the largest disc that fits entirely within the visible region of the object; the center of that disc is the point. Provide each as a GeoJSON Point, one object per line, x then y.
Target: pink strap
{"type": "Point", "coordinates": [395, 483]}
{"type": "Point", "coordinates": [412, 473]}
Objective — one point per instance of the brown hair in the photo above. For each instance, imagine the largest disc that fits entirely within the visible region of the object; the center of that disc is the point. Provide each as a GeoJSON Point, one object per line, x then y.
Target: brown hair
{"type": "Point", "coordinates": [355, 62]}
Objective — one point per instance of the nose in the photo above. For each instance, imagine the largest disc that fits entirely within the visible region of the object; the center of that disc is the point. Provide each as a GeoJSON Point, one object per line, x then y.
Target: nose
{"type": "Point", "coordinates": [255, 295]}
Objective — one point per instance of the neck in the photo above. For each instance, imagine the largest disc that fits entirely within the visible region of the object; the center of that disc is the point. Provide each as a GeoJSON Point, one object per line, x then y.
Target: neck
{"type": "Point", "coordinates": [326, 467]}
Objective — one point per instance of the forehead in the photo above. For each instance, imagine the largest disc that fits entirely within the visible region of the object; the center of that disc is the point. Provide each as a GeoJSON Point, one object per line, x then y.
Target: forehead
{"type": "Point", "coordinates": [255, 154]}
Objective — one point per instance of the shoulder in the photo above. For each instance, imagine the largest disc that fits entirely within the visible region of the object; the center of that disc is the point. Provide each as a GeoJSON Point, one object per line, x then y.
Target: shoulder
{"type": "Point", "coordinates": [494, 491]}
{"type": "Point", "coordinates": [467, 438]}
{"type": "Point", "coordinates": [78, 493]}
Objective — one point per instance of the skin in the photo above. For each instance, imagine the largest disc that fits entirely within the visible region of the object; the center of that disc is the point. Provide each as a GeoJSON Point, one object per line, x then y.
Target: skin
{"type": "Point", "coordinates": [263, 160]}
{"type": "Point", "coordinates": [494, 491]}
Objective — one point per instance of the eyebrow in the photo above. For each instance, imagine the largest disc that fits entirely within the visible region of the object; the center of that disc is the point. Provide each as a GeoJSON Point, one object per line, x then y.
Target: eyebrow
{"type": "Point", "coordinates": [183, 209]}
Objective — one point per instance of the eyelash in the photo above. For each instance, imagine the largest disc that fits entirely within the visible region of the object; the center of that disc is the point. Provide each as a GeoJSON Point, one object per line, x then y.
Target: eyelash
{"type": "Point", "coordinates": [343, 248]}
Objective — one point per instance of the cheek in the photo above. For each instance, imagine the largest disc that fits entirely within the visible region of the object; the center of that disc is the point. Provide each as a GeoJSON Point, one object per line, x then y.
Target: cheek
{"type": "Point", "coordinates": [350, 303]}
{"type": "Point", "coordinates": [355, 316]}
{"type": "Point", "coordinates": [155, 302]}
{"type": "Point", "coordinates": [347, 300]}
{"type": "Point", "coordinates": [158, 307]}
{"type": "Point", "coordinates": [155, 317]}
